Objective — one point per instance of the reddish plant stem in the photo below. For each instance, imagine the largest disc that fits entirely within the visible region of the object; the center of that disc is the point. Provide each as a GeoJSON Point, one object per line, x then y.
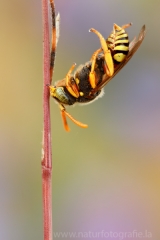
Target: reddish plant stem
{"type": "Point", "coordinates": [47, 153]}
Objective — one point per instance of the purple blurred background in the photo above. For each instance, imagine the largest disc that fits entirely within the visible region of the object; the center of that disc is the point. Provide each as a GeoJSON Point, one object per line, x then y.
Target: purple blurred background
{"type": "Point", "coordinates": [107, 177]}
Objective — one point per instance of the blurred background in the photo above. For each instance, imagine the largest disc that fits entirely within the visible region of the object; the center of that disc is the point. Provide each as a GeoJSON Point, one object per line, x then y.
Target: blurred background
{"type": "Point", "coordinates": [107, 177]}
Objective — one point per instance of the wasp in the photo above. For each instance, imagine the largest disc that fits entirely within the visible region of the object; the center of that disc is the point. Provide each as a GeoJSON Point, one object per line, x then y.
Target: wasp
{"type": "Point", "coordinates": [88, 81]}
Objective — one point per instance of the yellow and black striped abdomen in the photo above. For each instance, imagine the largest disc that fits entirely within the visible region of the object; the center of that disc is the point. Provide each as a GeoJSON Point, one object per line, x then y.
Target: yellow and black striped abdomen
{"type": "Point", "coordinates": [118, 43]}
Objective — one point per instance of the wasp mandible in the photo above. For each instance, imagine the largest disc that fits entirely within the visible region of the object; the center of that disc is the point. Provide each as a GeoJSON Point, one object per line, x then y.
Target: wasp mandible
{"type": "Point", "coordinates": [87, 83]}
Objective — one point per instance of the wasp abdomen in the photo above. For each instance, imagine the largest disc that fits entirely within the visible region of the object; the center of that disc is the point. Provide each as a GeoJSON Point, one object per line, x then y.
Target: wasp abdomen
{"type": "Point", "coordinates": [118, 43]}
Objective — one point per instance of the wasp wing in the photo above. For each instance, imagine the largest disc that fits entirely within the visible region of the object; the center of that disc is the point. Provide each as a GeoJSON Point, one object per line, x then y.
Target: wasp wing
{"type": "Point", "coordinates": [133, 47]}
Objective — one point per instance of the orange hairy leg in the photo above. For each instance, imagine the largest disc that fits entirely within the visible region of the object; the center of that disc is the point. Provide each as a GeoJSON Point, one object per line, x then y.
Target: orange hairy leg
{"type": "Point", "coordinates": [107, 53]}
{"type": "Point", "coordinates": [92, 77]}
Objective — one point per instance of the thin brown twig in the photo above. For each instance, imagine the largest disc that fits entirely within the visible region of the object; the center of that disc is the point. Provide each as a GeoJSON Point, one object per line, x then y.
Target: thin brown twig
{"type": "Point", "coordinates": [47, 153]}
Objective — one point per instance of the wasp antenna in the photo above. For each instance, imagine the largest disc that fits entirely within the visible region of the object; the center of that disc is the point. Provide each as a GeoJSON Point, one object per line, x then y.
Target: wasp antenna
{"type": "Point", "coordinates": [82, 125]}
{"type": "Point", "coordinates": [65, 124]}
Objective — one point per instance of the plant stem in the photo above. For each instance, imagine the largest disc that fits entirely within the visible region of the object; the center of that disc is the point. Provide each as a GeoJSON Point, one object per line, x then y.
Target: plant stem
{"type": "Point", "coordinates": [47, 153]}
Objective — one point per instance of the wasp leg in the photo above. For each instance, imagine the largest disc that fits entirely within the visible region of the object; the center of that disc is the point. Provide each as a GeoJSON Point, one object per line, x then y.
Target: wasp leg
{"type": "Point", "coordinates": [116, 27]}
{"type": "Point", "coordinates": [64, 113]}
{"type": "Point", "coordinates": [71, 83]}
{"type": "Point", "coordinates": [107, 53]}
{"type": "Point", "coordinates": [92, 74]}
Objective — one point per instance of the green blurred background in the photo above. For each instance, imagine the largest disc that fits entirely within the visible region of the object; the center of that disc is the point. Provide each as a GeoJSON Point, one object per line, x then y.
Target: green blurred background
{"type": "Point", "coordinates": [106, 177]}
